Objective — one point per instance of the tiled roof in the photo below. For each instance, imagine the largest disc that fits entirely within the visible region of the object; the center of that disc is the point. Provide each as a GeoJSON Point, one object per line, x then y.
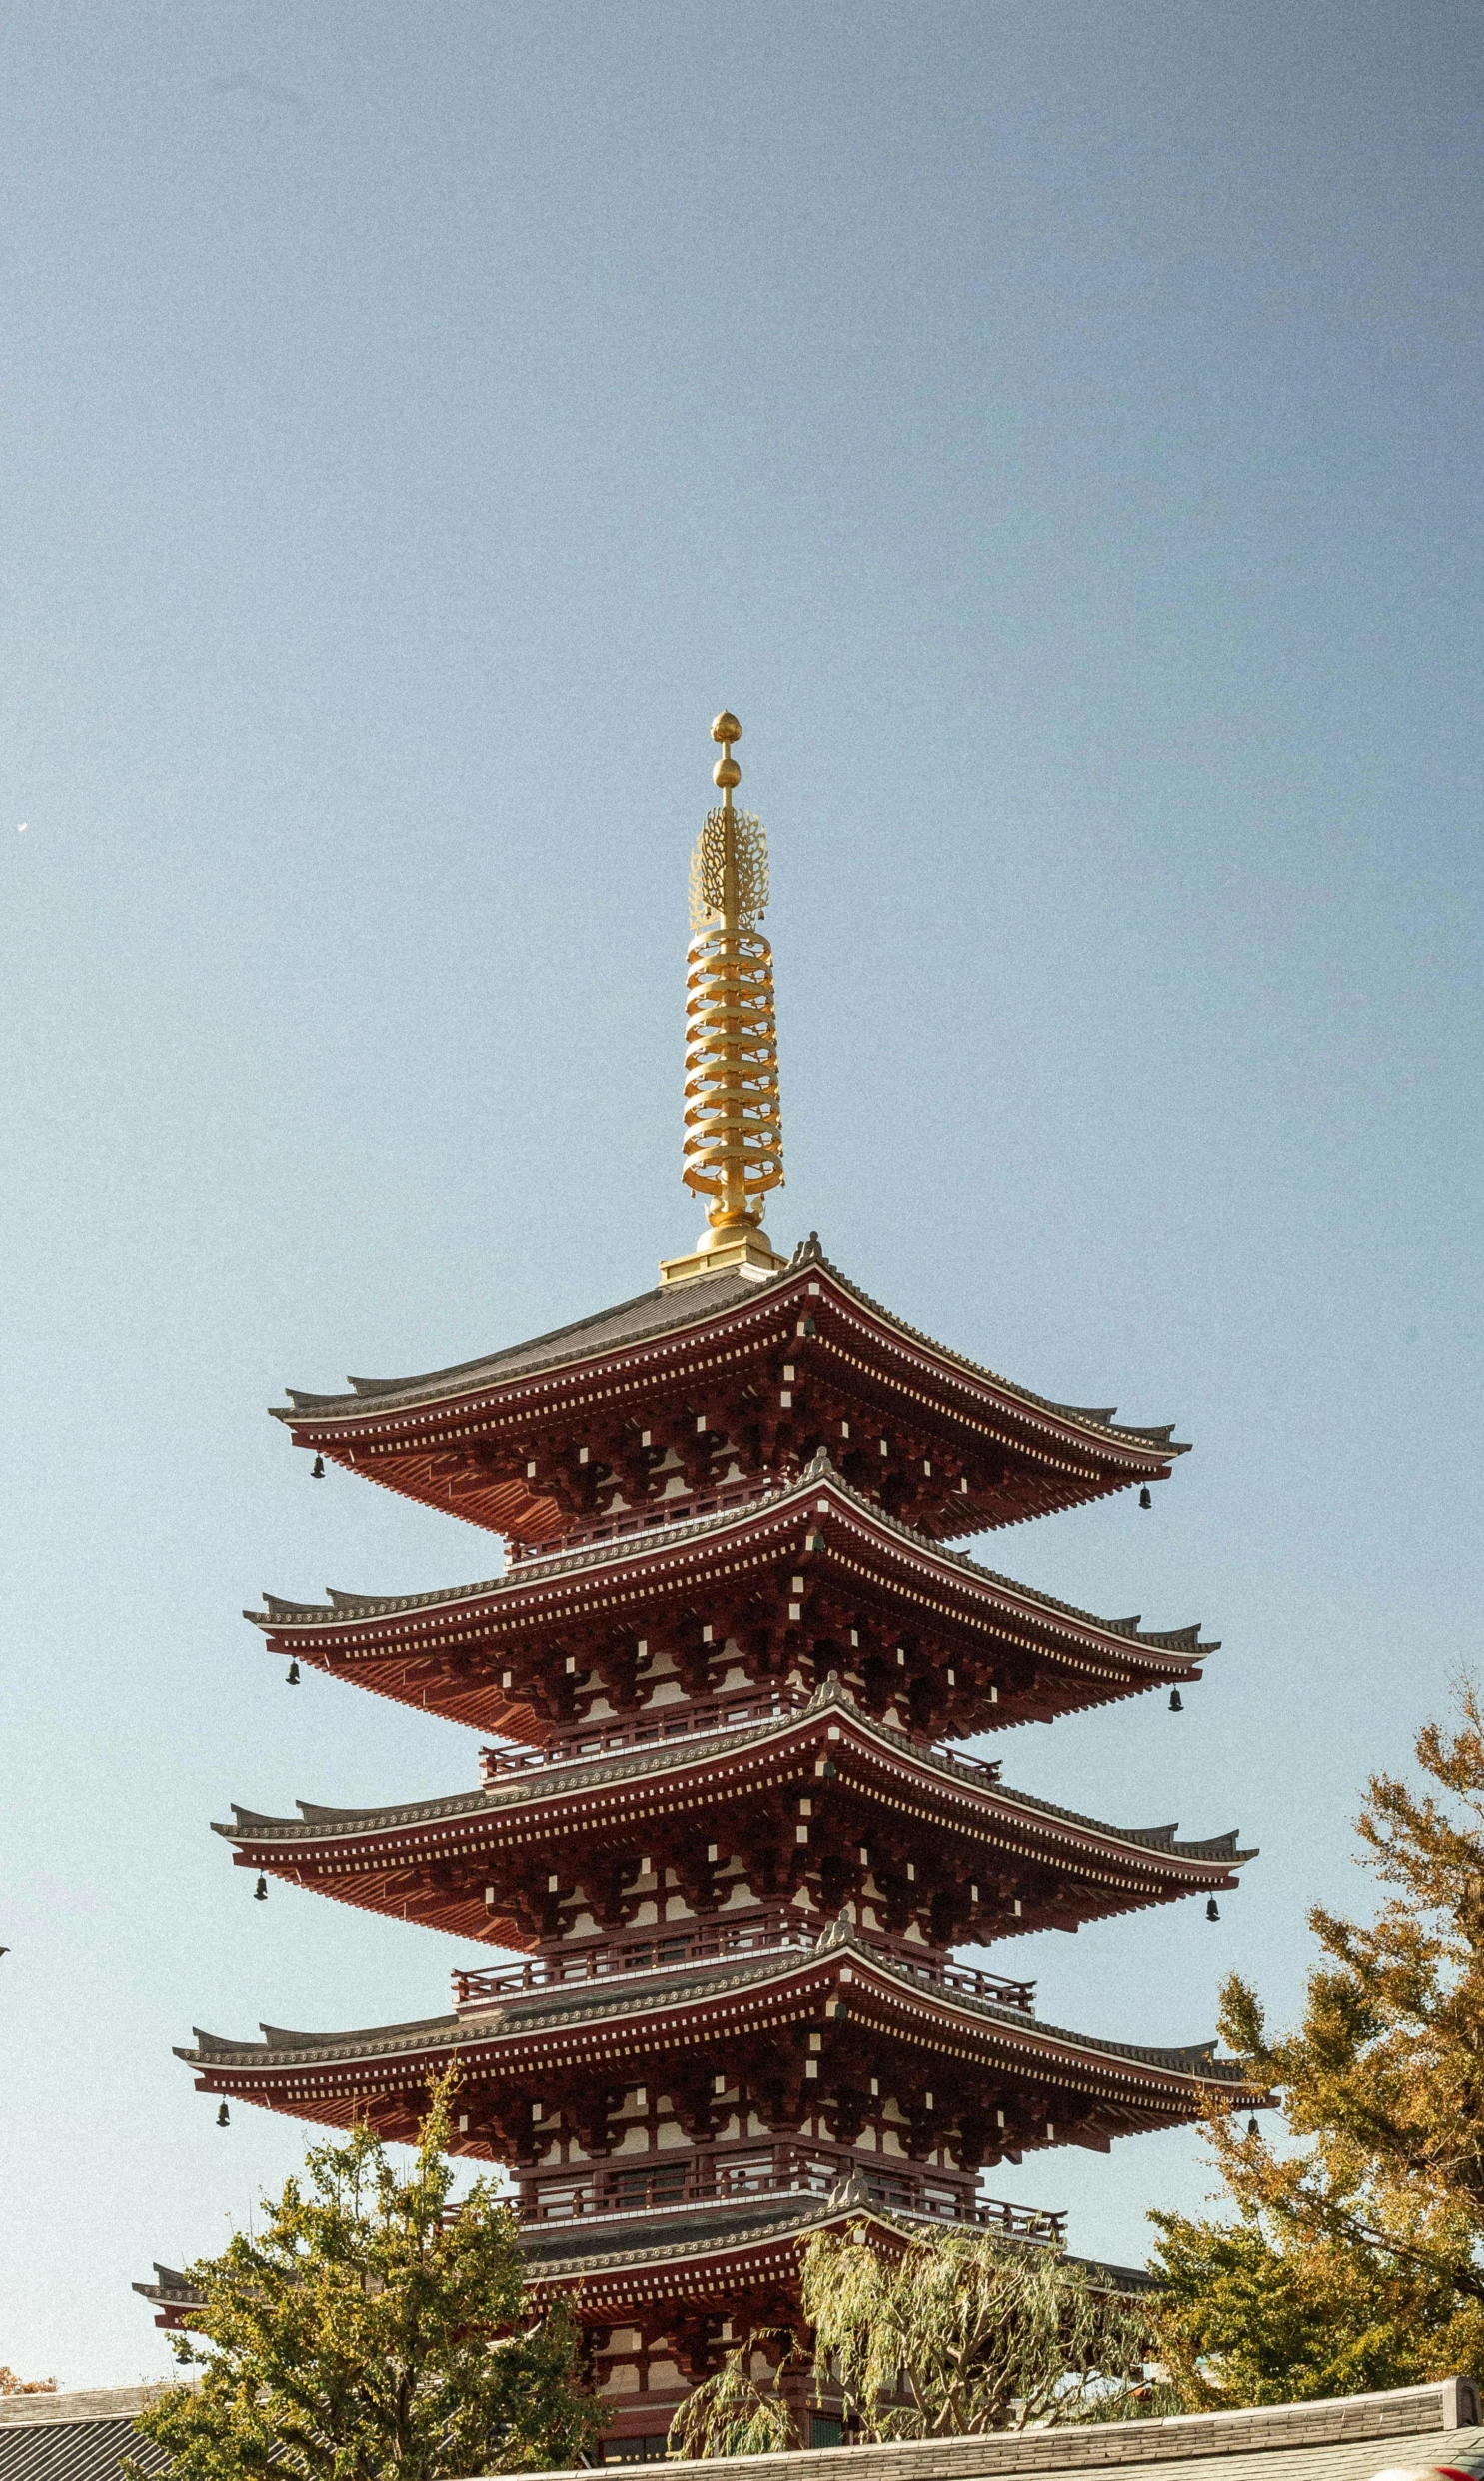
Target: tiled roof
{"type": "Point", "coordinates": [1341, 2439]}
{"type": "Point", "coordinates": [588, 1775]}
{"type": "Point", "coordinates": [350, 1607]}
{"type": "Point", "coordinates": [545, 2010]}
{"type": "Point", "coordinates": [83, 2436]}
{"type": "Point", "coordinates": [557, 2252]}
{"type": "Point", "coordinates": [668, 1310]}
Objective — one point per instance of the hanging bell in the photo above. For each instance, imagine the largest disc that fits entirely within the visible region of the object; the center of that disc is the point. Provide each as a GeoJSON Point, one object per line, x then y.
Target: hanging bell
{"type": "Point", "coordinates": [1176, 1702]}
{"type": "Point", "coordinates": [293, 1676]}
{"type": "Point", "coordinates": [1146, 1497]}
{"type": "Point", "coordinates": [317, 1470]}
{"type": "Point", "coordinates": [1253, 2127]}
{"type": "Point", "coordinates": [827, 1771]}
{"type": "Point", "coordinates": [1213, 1911]}
{"type": "Point", "coordinates": [260, 1891]}
{"type": "Point", "coordinates": [224, 2118]}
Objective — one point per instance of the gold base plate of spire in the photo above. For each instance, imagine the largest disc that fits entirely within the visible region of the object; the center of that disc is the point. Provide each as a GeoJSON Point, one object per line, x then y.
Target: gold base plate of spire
{"type": "Point", "coordinates": [740, 1251]}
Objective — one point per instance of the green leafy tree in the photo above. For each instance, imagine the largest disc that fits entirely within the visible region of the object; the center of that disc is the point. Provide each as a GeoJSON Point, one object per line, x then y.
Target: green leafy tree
{"type": "Point", "coordinates": [1247, 2318]}
{"type": "Point", "coordinates": [733, 2412]}
{"type": "Point", "coordinates": [374, 2328]}
{"type": "Point", "coordinates": [950, 2334]}
{"type": "Point", "coordinates": [1357, 2258]}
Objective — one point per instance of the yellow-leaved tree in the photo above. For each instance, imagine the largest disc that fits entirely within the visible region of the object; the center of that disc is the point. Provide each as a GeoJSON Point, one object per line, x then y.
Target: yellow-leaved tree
{"type": "Point", "coordinates": [1356, 2258]}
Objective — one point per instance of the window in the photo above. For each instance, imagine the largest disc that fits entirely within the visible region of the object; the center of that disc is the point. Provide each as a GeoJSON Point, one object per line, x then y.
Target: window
{"type": "Point", "coordinates": [825, 2433]}
{"type": "Point", "coordinates": [648, 2450]}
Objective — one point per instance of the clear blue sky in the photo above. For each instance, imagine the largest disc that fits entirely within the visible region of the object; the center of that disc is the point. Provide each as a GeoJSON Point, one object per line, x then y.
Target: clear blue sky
{"type": "Point", "coordinates": [1055, 429]}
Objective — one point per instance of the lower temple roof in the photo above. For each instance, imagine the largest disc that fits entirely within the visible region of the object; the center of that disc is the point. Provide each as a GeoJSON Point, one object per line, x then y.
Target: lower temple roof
{"type": "Point", "coordinates": [639, 2006]}
{"type": "Point", "coordinates": [631, 2251]}
{"type": "Point", "coordinates": [1022, 1652]}
{"type": "Point", "coordinates": [462, 1865]}
{"type": "Point", "coordinates": [341, 1608]}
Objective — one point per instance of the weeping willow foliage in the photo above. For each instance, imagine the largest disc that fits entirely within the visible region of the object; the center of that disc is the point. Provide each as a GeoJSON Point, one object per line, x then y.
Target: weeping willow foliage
{"type": "Point", "coordinates": [953, 2334]}
{"type": "Point", "coordinates": [731, 2413]}
{"type": "Point", "coordinates": [961, 2334]}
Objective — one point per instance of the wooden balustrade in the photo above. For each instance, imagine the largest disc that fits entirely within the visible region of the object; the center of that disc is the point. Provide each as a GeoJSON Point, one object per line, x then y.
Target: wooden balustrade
{"type": "Point", "coordinates": [762, 1934]}
{"type": "Point", "coordinates": [701, 2183]}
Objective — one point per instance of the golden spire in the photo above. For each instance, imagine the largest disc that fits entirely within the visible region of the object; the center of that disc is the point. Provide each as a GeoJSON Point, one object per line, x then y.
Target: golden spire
{"type": "Point", "coordinates": [734, 1150]}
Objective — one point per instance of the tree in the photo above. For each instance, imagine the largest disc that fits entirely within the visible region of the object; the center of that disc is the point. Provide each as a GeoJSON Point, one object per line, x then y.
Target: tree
{"type": "Point", "coordinates": [1357, 2259]}
{"type": "Point", "coordinates": [10, 2384]}
{"type": "Point", "coordinates": [373, 2327]}
{"type": "Point", "coordinates": [731, 2413]}
{"type": "Point", "coordinates": [948, 2334]}
{"type": "Point", "coordinates": [1244, 2317]}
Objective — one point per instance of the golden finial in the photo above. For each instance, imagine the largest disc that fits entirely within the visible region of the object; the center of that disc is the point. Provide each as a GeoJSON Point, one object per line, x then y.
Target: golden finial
{"type": "Point", "coordinates": [726, 771]}
{"type": "Point", "coordinates": [733, 1148]}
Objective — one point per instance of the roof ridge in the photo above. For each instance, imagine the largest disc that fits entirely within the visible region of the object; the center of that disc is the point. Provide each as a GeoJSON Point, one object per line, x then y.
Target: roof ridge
{"type": "Point", "coordinates": [620, 1765]}
{"type": "Point", "coordinates": [1188, 2059]}
{"type": "Point", "coordinates": [1162, 1436]}
{"type": "Point", "coordinates": [367, 1394]}
{"type": "Point", "coordinates": [279, 1611]}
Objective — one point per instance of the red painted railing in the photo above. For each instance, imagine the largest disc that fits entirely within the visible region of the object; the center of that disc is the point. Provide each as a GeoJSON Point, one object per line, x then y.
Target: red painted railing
{"type": "Point", "coordinates": [762, 1934]}
{"type": "Point", "coordinates": [687, 2184]}
{"type": "Point", "coordinates": [650, 1730]}
{"type": "Point", "coordinates": [768, 1933]}
{"type": "Point", "coordinates": [585, 1742]}
{"type": "Point", "coordinates": [649, 1519]}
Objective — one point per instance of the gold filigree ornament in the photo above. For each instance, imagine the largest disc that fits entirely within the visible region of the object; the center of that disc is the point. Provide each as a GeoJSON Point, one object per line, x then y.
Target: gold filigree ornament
{"type": "Point", "coordinates": [733, 1145]}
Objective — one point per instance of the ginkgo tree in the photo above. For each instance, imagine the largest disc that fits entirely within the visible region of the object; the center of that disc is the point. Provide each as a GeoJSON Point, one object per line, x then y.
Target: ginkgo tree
{"type": "Point", "coordinates": [375, 2326]}
{"type": "Point", "coordinates": [1356, 2259]}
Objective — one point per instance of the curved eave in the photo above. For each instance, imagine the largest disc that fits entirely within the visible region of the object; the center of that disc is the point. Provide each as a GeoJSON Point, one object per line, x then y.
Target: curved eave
{"type": "Point", "coordinates": [386, 1429]}
{"type": "Point", "coordinates": [360, 1856]}
{"type": "Point", "coordinates": [331, 2076]}
{"type": "Point", "coordinates": [1112, 1658]}
{"type": "Point", "coordinates": [616, 2263]}
{"type": "Point", "coordinates": [605, 2268]}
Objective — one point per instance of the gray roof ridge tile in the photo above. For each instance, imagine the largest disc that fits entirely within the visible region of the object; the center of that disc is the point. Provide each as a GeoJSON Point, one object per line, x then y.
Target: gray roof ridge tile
{"type": "Point", "coordinates": [664, 1758]}
{"type": "Point", "coordinates": [1160, 1435]}
{"type": "Point", "coordinates": [681, 1311]}
{"type": "Point", "coordinates": [688, 1306]}
{"type": "Point", "coordinates": [281, 1613]}
{"type": "Point", "coordinates": [591, 2001]}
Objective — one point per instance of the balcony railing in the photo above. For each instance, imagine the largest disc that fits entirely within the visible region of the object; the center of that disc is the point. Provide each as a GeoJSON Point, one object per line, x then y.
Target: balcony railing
{"type": "Point", "coordinates": [652, 1518]}
{"type": "Point", "coordinates": [682, 2184]}
{"type": "Point", "coordinates": [664, 1725]}
{"type": "Point", "coordinates": [941, 1973]}
{"type": "Point", "coordinates": [761, 1934]}
{"type": "Point", "coordinates": [650, 1730]}
{"type": "Point", "coordinates": [768, 1933]}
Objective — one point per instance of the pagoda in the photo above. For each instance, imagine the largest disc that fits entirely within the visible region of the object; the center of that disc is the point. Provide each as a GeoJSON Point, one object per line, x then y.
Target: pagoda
{"type": "Point", "coordinates": [724, 1839]}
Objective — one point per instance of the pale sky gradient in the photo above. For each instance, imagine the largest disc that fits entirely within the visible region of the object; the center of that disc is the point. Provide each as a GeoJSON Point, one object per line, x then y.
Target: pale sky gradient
{"type": "Point", "coordinates": [1055, 429]}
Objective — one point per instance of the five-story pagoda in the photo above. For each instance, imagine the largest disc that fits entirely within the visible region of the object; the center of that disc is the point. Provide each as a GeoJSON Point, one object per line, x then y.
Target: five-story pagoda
{"type": "Point", "coordinates": [722, 1837]}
